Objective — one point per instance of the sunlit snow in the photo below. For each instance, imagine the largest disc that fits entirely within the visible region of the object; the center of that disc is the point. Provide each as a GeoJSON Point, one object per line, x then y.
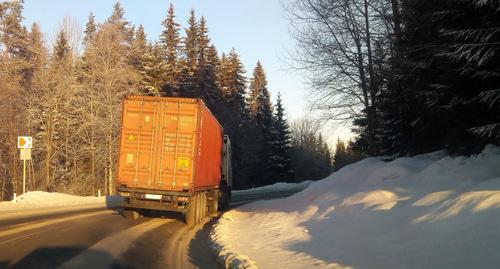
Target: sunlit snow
{"type": "Point", "coordinates": [429, 211]}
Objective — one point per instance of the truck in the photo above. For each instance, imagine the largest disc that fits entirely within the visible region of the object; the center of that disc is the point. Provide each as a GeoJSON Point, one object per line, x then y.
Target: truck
{"type": "Point", "coordinates": [173, 156]}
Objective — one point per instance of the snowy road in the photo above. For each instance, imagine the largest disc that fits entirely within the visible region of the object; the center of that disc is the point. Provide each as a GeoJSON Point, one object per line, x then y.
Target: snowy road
{"type": "Point", "coordinates": [103, 239]}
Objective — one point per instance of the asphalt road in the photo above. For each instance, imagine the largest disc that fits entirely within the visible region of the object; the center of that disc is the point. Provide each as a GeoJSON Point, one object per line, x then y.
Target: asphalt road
{"type": "Point", "coordinates": [104, 239]}
{"type": "Point", "coordinates": [101, 238]}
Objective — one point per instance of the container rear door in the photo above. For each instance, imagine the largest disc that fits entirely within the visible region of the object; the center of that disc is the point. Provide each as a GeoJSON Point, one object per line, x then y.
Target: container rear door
{"type": "Point", "coordinates": [176, 161]}
{"type": "Point", "coordinates": [138, 143]}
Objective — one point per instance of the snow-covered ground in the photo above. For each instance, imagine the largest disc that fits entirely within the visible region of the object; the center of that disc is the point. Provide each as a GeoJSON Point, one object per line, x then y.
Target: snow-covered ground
{"type": "Point", "coordinates": [41, 199]}
{"type": "Point", "coordinates": [277, 187]}
{"type": "Point", "coordinates": [429, 211]}
{"type": "Point", "coordinates": [38, 203]}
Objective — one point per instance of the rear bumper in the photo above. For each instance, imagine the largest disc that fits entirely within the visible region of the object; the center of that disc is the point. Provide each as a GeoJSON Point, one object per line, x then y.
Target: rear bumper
{"type": "Point", "coordinates": [164, 200]}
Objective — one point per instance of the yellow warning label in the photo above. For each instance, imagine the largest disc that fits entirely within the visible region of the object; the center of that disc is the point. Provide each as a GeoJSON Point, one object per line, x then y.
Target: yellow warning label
{"type": "Point", "coordinates": [130, 158]}
{"type": "Point", "coordinates": [131, 137]}
{"type": "Point", "coordinates": [183, 162]}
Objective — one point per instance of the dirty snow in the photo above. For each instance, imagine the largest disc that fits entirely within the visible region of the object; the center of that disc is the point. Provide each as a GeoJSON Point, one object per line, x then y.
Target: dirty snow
{"type": "Point", "coordinates": [428, 211]}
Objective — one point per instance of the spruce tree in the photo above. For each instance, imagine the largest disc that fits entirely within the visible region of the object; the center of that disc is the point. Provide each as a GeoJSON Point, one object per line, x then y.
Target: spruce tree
{"type": "Point", "coordinates": [259, 100]}
{"type": "Point", "coordinates": [188, 66]}
{"type": "Point", "coordinates": [152, 70]}
{"type": "Point", "coordinates": [236, 88]}
{"type": "Point", "coordinates": [170, 41]}
{"type": "Point", "coordinates": [448, 71]}
{"type": "Point", "coordinates": [340, 156]}
{"type": "Point", "coordinates": [262, 121]}
{"type": "Point", "coordinates": [207, 87]}
{"type": "Point", "coordinates": [149, 62]}
{"type": "Point", "coordinates": [117, 18]}
{"type": "Point", "coordinates": [90, 29]}
{"type": "Point", "coordinates": [61, 48]}
{"type": "Point", "coordinates": [139, 47]}
{"type": "Point", "coordinates": [281, 169]}
{"type": "Point", "coordinates": [233, 84]}
{"type": "Point", "coordinates": [37, 55]}
{"type": "Point", "coordinates": [191, 42]}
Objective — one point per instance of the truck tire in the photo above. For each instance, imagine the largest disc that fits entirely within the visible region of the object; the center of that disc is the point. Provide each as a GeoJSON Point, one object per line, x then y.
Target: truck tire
{"type": "Point", "coordinates": [190, 214]}
{"type": "Point", "coordinates": [198, 207]}
{"type": "Point", "coordinates": [214, 203]}
{"type": "Point", "coordinates": [203, 206]}
{"type": "Point", "coordinates": [131, 214]}
{"type": "Point", "coordinates": [225, 197]}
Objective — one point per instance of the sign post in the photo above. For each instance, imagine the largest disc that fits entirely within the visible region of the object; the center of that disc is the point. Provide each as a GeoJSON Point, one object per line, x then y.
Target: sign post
{"type": "Point", "coordinates": [24, 144]}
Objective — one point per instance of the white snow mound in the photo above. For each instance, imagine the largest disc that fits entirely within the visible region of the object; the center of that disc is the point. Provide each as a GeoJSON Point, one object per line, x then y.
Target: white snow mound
{"type": "Point", "coordinates": [428, 211]}
{"type": "Point", "coordinates": [41, 199]}
{"type": "Point", "coordinates": [276, 187]}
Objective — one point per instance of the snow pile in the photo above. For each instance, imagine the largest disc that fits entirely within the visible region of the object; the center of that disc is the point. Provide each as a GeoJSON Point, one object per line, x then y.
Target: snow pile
{"type": "Point", "coordinates": [429, 211]}
{"type": "Point", "coordinates": [280, 186]}
{"type": "Point", "coordinates": [40, 199]}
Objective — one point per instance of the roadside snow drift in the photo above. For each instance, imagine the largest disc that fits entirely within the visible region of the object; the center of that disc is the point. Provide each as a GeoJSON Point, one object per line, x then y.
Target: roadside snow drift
{"type": "Point", "coordinates": [42, 200]}
{"type": "Point", "coordinates": [429, 211]}
{"type": "Point", "coordinates": [277, 187]}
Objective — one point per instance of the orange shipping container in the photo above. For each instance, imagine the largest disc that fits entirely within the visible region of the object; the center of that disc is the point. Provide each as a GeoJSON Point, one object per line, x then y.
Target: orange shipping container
{"type": "Point", "coordinates": [170, 144]}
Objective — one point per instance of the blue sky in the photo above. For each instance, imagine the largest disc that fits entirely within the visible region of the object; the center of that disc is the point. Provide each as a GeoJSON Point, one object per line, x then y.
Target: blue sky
{"type": "Point", "coordinates": [257, 29]}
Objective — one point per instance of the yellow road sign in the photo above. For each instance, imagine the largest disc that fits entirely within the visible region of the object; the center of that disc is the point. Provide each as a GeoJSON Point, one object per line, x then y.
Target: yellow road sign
{"type": "Point", "coordinates": [25, 154]}
{"type": "Point", "coordinates": [24, 142]}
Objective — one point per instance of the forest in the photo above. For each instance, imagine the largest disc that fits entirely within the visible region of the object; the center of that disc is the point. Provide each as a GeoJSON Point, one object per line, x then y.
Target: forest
{"type": "Point", "coordinates": [410, 76]}
{"type": "Point", "coordinates": [67, 96]}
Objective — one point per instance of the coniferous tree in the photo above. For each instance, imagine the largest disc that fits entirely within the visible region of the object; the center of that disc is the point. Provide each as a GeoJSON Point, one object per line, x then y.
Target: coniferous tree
{"type": "Point", "coordinates": [37, 55]}
{"type": "Point", "coordinates": [233, 84]}
{"type": "Point", "coordinates": [152, 70]}
{"type": "Point", "coordinates": [117, 18]}
{"type": "Point", "coordinates": [262, 122]}
{"type": "Point", "coordinates": [188, 66]}
{"type": "Point", "coordinates": [449, 69]}
{"type": "Point", "coordinates": [149, 62]}
{"type": "Point", "coordinates": [281, 169]}
{"type": "Point", "coordinates": [14, 44]}
{"type": "Point", "coordinates": [62, 49]}
{"type": "Point", "coordinates": [170, 41]}
{"type": "Point", "coordinates": [90, 29]}
{"type": "Point", "coordinates": [36, 86]}
{"type": "Point", "coordinates": [139, 46]}
{"type": "Point", "coordinates": [311, 157]}
{"type": "Point", "coordinates": [206, 71]}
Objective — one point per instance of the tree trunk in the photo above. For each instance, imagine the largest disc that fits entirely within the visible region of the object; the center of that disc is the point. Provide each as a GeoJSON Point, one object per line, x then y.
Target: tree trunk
{"type": "Point", "coordinates": [371, 108]}
{"type": "Point", "coordinates": [396, 20]}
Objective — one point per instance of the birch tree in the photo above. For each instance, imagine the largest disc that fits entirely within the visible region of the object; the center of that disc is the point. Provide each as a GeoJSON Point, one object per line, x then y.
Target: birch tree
{"type": "Point", "coordinates": [111, 78]}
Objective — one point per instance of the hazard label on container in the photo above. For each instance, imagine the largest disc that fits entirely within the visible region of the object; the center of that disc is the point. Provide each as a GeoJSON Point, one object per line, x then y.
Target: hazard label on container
{"type": "Point", "coordinates": [130, 158]}
{"type": "Point", "coordinates": [183, 162]}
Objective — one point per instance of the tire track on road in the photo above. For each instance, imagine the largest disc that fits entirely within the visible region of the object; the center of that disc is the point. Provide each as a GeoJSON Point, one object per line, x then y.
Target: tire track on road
{"type": "Point", "coordinates": [104, 253]}
{"type": "Point", "coordinates": [23, 227]}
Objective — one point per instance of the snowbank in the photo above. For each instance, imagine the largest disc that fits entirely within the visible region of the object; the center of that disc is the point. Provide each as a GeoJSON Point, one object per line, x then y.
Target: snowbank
{"type": "Point", "coordinates": [37, 200]}
{"type": "Point", "coordinates": [280, 186]}
{"type": "Point", "coordinates": [429, 211]}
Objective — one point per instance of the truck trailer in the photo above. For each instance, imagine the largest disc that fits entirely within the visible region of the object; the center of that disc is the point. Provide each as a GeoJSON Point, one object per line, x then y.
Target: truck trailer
{"type": "Point", "coordinates": [173, 156]}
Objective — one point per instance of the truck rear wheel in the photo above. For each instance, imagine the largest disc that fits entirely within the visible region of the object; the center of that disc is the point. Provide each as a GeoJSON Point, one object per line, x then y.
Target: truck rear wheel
{"type": "Point", "coordinates": [131, 214]}
{"type": "Point", "coordinates": [225, 197]}
{"type": "Point", "coordinates": [214, 203]}
{"type": "Point", "coordinates": [203, 206]}
{"type": "Point", "coordinates": [190, 215]}
{"type": "Point", "coordinates": [197, 209]}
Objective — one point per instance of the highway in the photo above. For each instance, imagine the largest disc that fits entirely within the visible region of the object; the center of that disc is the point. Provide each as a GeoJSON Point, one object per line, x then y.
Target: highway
{"type": "Point", "coordinates": [102, 238]}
